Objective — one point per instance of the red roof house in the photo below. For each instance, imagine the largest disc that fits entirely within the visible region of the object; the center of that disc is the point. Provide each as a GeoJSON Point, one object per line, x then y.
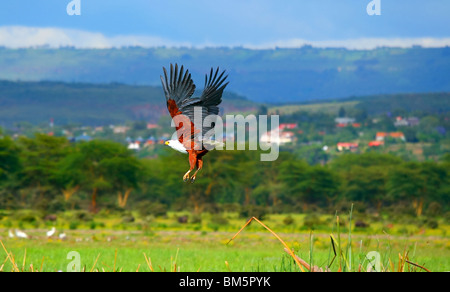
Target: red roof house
{"type": "Point", "coordinates": [376, 143]}
{"type": "Point", "coordinates": [346, 146]}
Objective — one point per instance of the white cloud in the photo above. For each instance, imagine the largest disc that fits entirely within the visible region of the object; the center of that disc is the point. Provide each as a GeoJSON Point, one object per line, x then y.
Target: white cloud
{"type": "Point", "coordinates": [24, 37]}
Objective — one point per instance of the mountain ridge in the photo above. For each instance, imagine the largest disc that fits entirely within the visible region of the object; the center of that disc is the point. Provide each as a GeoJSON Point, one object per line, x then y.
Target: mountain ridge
{"type": "Point", "coordinates": [267, 76]}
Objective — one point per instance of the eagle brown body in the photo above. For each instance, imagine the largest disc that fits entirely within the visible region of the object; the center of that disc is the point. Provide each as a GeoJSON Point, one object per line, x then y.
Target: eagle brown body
{"type": "Point", "coordinates": [178, 89]}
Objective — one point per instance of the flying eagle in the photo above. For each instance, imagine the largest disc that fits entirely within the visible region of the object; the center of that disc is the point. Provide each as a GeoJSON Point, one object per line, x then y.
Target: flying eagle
{"type": "Point", "coordinates": [178, 89]}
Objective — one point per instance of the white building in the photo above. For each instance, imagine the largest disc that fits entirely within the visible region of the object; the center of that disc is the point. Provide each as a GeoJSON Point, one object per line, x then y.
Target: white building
{"type": "Point", "coordinates": [277, 137]}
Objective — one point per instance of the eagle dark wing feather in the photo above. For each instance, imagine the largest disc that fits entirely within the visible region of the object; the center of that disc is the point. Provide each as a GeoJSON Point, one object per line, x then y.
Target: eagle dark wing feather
{"type": "Point", "coordinates": [179, 87]}
{"type": "Point", "coordinates": [212, 94]}
{"type": "Point", "coordinates": [212, 97]}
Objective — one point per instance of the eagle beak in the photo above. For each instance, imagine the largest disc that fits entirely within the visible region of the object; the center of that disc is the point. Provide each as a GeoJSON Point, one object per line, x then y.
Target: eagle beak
{"type": "Point", "coordinates": [166, 143]}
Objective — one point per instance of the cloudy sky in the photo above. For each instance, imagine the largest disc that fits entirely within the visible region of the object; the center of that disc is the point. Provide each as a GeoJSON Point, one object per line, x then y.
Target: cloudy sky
{"type": "Point", "coordinates": [249, 23]}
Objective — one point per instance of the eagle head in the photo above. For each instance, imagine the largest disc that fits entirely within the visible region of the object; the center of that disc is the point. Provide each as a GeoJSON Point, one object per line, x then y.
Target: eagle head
{"type": "Point", "coordinates": [176, 145]}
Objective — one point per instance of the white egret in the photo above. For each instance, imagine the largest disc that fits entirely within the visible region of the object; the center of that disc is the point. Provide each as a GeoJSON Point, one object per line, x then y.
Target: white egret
{"type": "Point", "coordinates": [51, 232]}
{"type": "Point", "coordinates": [21, 234]}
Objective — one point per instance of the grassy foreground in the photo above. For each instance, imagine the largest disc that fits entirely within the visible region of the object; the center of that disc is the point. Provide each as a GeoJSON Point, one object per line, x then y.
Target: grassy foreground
{"type": "Point", "coordinates": [254, 249]}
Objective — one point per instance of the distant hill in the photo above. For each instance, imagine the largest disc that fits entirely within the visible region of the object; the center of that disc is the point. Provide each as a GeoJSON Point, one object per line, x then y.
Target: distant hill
{"type": "Point", "coordinates": [427, 102]}
{"type": "Point", "coordinates": [103, 104]}
{"type": "Point", "coordinates": [431, 103]}
{"type": "Point", "coordinates": [90, 104]}
{"type": "Point", "coordinates": [273, 76]}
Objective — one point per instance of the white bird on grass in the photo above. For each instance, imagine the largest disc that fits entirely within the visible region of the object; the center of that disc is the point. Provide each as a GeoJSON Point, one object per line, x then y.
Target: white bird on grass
{"type": "Point", "coordinates": [21, 234]}
{"type": "Point", "coordinates": [11, 234]}
{"type": "Point", "coordinates": [51, 232]}
{"type": "Point", "coordinates": [62, 236]}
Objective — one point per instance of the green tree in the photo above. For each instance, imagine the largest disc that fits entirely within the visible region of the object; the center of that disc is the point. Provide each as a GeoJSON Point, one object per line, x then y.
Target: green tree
{"type": "Point", "coordinates": [321, 186]}
{"type": "Point", "coordinates": [124, 174]}
{"type": "Point", "coordinates": [347, 161]}
{"type": "Point", "coordinates": [309, 184]}
{"type": "Point", "coordinates": [436, 182]}
{"type": "Point", "coordinates": [405, 184]}
{"type": "Point", "coordinates": [40, 157]}
{"type": "Point", "coordinates": [9, 158]}
{"type": "Point", "coordinates": [366, 184]}
{"type": "Point", "coordinates": [292, 174]}
{"type": "Point", "coordinates": [95, 166]}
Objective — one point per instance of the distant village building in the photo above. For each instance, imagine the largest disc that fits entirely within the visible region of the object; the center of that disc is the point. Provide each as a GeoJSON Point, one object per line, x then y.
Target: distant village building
{"type": "Point", "coordinates": [376, 143]}
{"type": "Point", "coordinates": [277, 137]}
{"type": "Point", "coordinates": [120, 129]}
{"type": "Point", "coordinates": [271, 137]}
{"type": "Point", "coordinates": [134, 145]}
{"type": "Point", "coordinates": [399, 122]}
{"type": "Point", "coordinates": [347, 146]}
{"type": "Point", "coordinates": [67, 133]}
{"type": "Point", "coordinates": [140, 142]}
{"type": "Point", "coordinates": [163, 139]}
{"type": "Point", "coordinates": [413, 121]}
{"type": "Point", "coordinates": [152, 126]}
{"type": "Point", "coordinates": [150, 141]}
{"type": "Point", "coordinates": [287, 126]}
{"type": "Point", "coordinates": [354, 125]}
{"type": "Point", "coordinates": [83, 137]}
{"type": "Point", "coordinates": [286, 137]}
{"type": "Point", "coordinates": [344, 121]}
{"type": "Point", "coordinates": [381, 136]}
{"type": "Point", "coordinates": [408, 122]}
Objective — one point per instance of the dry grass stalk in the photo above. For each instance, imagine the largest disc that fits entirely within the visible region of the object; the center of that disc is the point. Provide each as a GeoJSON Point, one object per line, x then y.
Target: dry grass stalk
{"type": "Point", "coordinates": [274, 234]}
{"type": "Point", "coordinates": [402, 261]}
{"type": "Point", "coordinates": [42, 264]}
{"type": "Point", "coordinates": [307, 266]}
{"type": "Point", "coordinates": [95, 263]}
{"type": "Point", "coordinates": [228, 266]}
{"type": "Point", "coordinates": [392, 265]}
{"type": "Point", "coordinates": [419, 266]}
{"type": "Point", "coordinates": [149, 262]}
{"type": "Point", "coordinates": [24, 259]}
{"type": "Point", "coordinates": [10, 257]}
{"type": "Point", "coordinates": [175, 262]}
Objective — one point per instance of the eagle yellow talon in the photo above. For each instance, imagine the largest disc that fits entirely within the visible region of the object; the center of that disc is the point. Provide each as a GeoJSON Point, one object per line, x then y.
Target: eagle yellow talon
{"type": "Point", "coordinates": [186, 176]}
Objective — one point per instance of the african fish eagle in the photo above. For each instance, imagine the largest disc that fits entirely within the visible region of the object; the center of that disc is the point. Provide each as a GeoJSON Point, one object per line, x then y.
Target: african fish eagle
{"type": "Point", "coordinates": [178, 89]}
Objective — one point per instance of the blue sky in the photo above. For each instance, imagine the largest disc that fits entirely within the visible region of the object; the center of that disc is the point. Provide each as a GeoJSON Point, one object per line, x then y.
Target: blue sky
{"type": "Point", "coordinates": [230, 23]}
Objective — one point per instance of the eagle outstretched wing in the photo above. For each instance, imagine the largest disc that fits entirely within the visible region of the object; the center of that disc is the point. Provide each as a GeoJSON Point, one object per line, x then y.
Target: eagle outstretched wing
{"type": "Point", "coordinates": [178, 88]}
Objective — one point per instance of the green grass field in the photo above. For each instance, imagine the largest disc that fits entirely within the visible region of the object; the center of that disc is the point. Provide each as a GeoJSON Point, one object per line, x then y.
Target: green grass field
{"type": "Point", "coordinates": [326, 107]}
{"type": "Point", "coordinates": [170, 246]}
